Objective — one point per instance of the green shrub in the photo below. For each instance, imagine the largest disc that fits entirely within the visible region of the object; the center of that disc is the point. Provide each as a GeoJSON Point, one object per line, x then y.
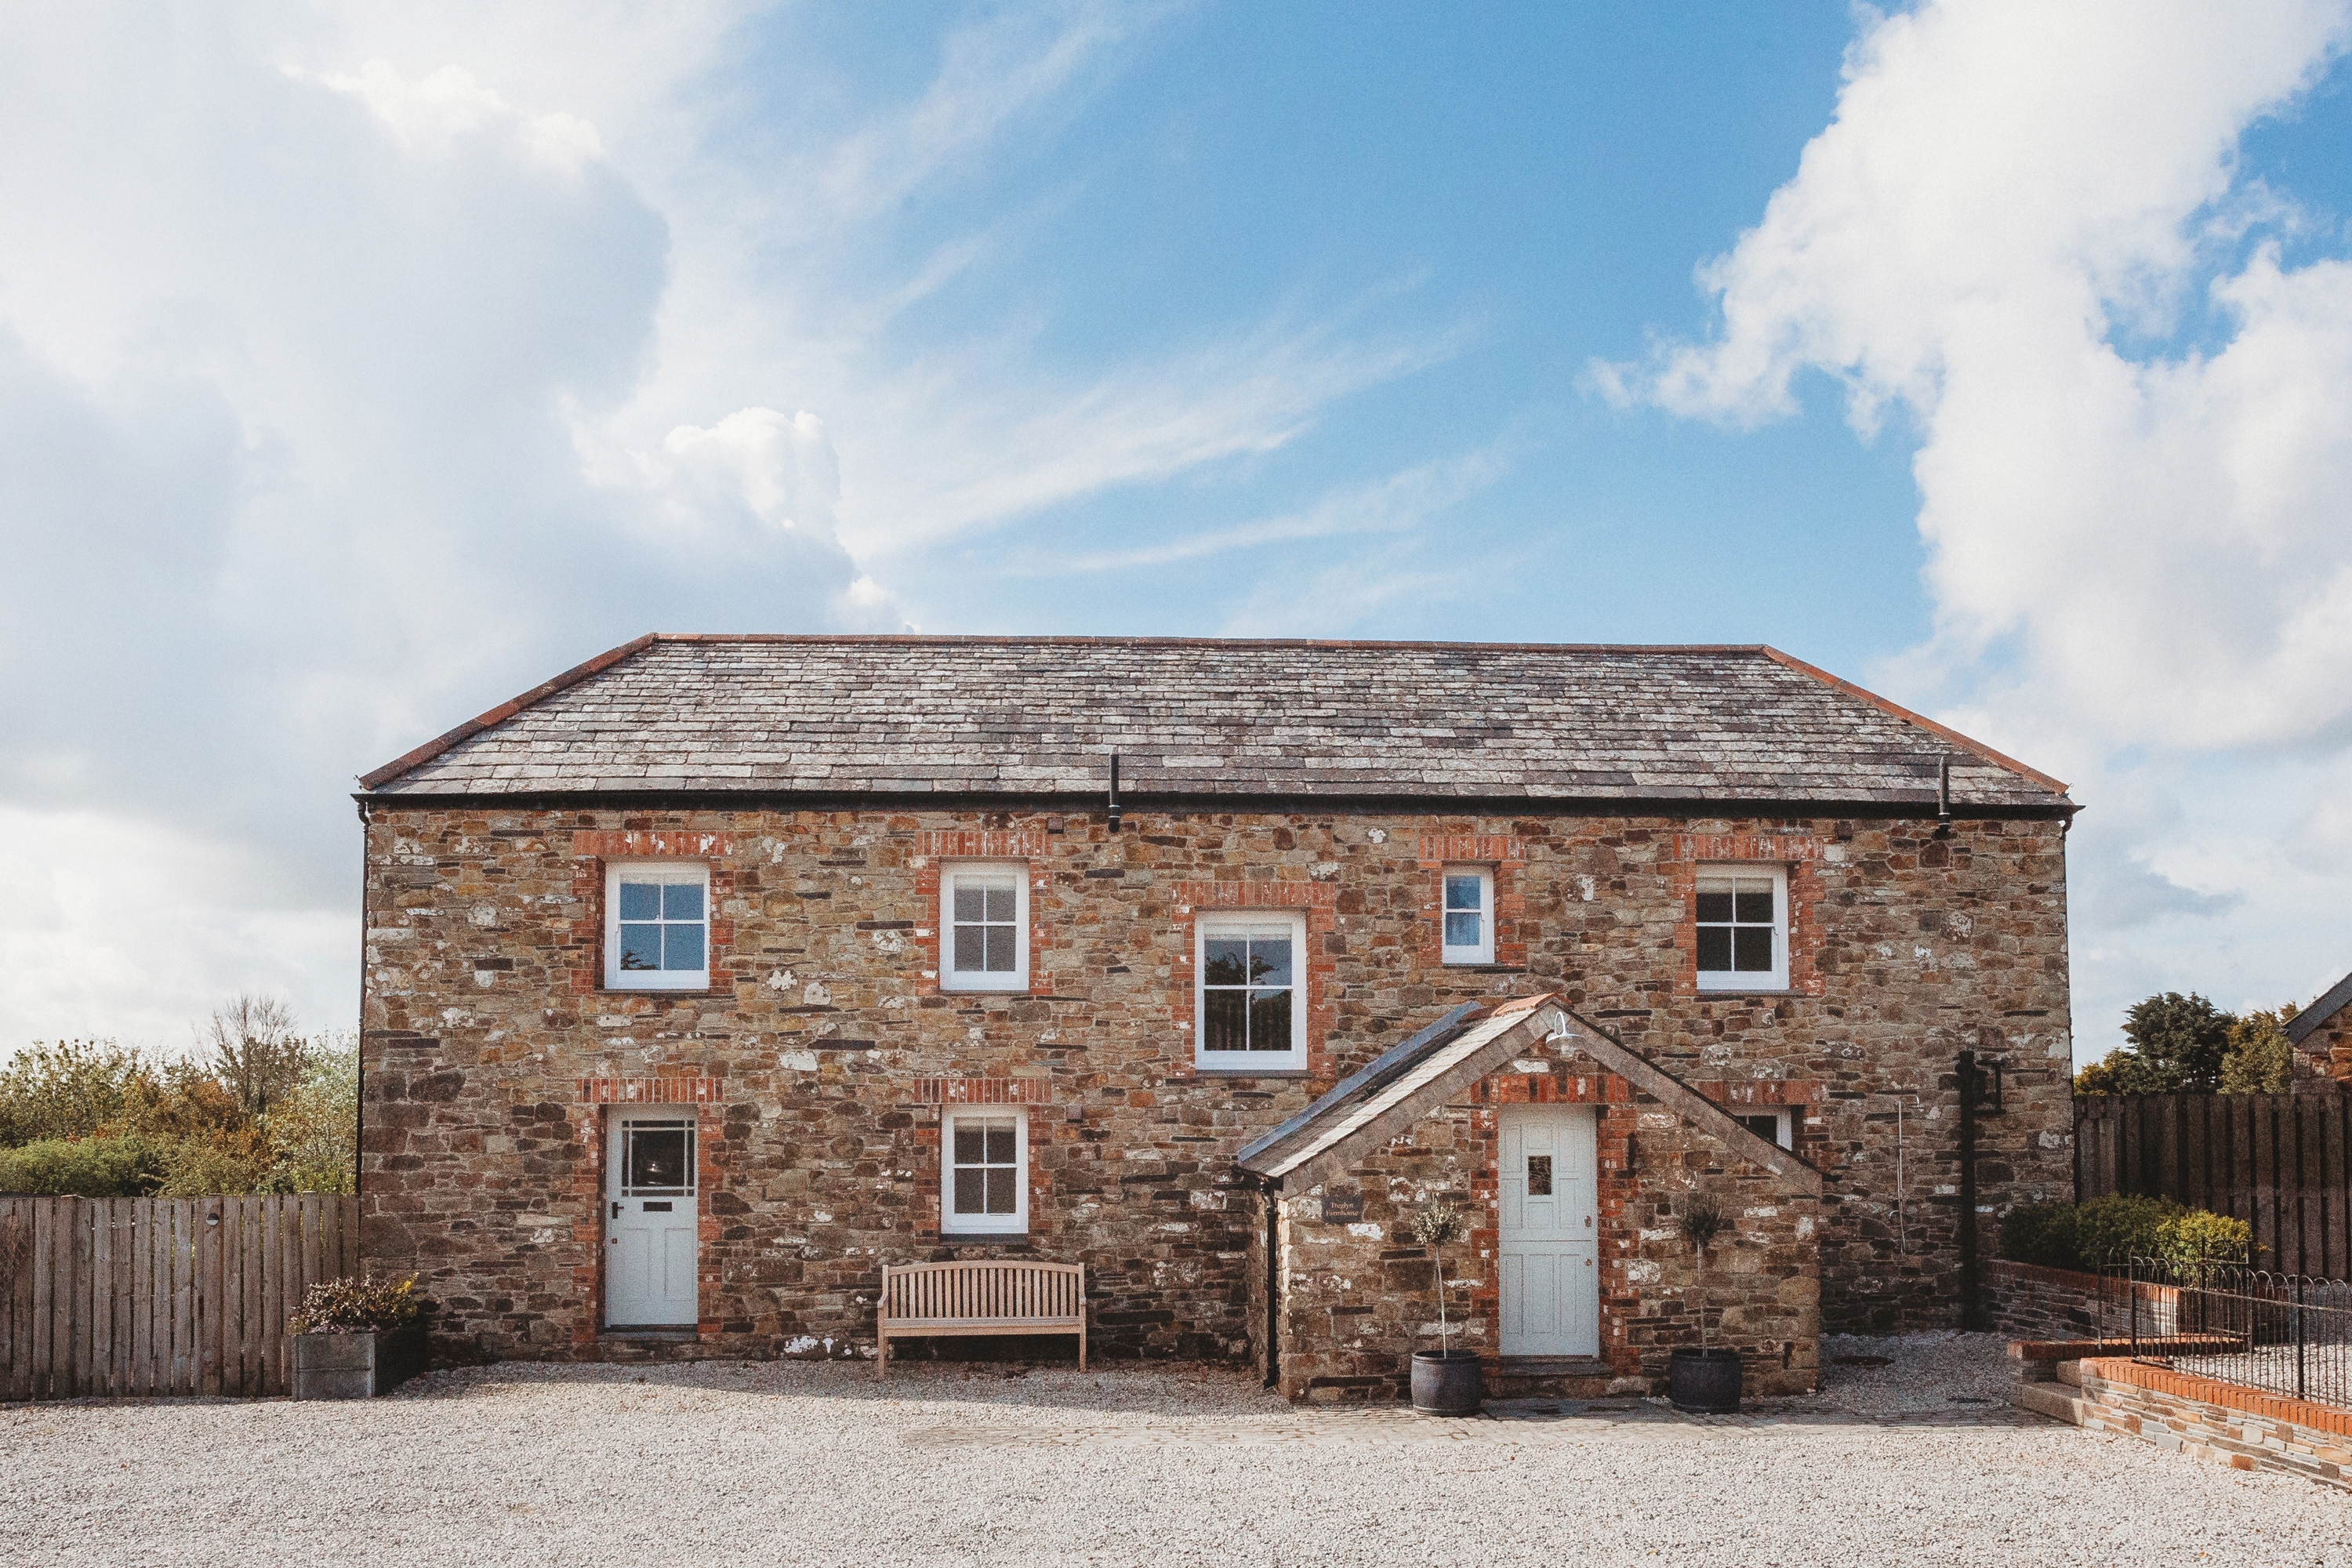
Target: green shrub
{"type": "Point", "coordinates": [2088, 1237]}
{"type": "Point", "coordinates": [356, 1306]}
{"type": "Point", "coordinates": [84, 1168]}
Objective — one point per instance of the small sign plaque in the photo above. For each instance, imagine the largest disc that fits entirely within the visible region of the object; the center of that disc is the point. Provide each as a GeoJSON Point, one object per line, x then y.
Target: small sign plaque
{"type": "Point", "coordinates": [1340, 1207]}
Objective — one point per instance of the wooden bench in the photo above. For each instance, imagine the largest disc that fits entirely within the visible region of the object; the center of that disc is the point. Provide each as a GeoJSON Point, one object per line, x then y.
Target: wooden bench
{"type": "Point", "coordinates": [981, 1298]}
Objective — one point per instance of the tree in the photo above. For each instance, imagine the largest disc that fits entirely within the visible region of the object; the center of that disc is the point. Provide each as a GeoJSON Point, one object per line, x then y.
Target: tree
{"type": "Point", "coordinates": [2177, 1043]}
{"type": "Point", "coordinates": [2260, 1059]}
{"type": "Point", "coordinates": [253, 1047]}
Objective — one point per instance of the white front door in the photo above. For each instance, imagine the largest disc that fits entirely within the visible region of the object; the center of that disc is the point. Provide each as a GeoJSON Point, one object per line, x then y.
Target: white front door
{"type": "Point", "coordinates": [1548, 1238]}
{"type": "Point", "coordinates": [649, 1219]}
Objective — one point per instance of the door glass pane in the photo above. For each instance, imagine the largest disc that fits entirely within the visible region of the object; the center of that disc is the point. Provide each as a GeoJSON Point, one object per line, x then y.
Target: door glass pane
{"type": "Point", "coordinates": [1269, 1025]}
{"type": "Point", "coordinates": [640, 902]}
{"type": "Point", "coordinates": [682, 947]}
{"type": "Point", "coordinates": [681, 901]}
{"type": "Point", "coordinates": [971, 1189]}
{"type": "Point", "coordinates": [1538, 1175]}
{"type": "Point", "coordinates": [1752, 949]}
{"type": "Point", "coordinates": [640, 947]}
{"type": "Point", "coordinates": [1715, 948]}
{"type": "Point", "coordinates": [658, 1158]}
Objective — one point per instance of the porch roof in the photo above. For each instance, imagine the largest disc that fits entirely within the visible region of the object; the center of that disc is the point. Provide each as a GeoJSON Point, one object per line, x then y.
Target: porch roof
{"type": "Point", "coordinates": [1409, 1081]}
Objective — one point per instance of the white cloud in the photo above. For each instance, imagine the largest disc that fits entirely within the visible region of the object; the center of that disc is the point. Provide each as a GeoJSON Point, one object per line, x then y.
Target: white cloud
{"type": "Point", "coordinates": [359, 367]}
{"type": "Point", "coordinates": [2137, 557]}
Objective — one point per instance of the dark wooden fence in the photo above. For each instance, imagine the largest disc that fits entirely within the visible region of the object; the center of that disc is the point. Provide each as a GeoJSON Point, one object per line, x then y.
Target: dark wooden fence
{"type": "Point", "coordinates": [161, 1296]}
{"type": "Point", "coordinates": [2281, 1161]}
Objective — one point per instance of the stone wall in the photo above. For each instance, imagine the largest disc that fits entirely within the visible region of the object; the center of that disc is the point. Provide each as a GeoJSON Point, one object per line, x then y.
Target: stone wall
{"type": "Point", "coordinates": [819, 1061]}
{"type": "Point", "coordinates": [1359, 1294]}
{"type": "Point", "coordinates": [2198, 1417]}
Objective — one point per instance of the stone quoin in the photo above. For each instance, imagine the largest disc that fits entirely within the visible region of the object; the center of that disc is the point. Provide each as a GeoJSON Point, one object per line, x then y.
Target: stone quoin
{"type": "Point", "coordinates": [713, 975]}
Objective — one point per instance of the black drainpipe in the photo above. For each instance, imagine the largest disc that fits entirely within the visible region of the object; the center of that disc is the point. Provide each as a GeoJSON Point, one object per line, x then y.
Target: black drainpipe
{"type": "Point", "coordinates": [1269, 1188]}
{"type": "Point", "coordinates": [1971, 1302]}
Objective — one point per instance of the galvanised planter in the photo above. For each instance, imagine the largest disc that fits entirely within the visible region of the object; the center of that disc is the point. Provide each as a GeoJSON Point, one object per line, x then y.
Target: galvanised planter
{"type": "Point", "coordinates": [1447, 1382]}
{"type": "Point", "coordinates": [1707, 1381]}
{"type": "Point", "coordinates": [355, 1365]}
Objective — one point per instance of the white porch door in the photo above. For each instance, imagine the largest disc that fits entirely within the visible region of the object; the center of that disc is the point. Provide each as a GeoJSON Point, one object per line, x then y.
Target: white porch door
{"type": "Point", "coordinates": [649, 1219]}
{"type": "Point", "coordinates": [1549, 1240]}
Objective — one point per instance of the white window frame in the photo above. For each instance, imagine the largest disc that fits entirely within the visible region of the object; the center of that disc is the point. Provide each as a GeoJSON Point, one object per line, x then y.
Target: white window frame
{"type": "Point", "coordinates": [619, 979]}
{"type": "Point", "coordinates": [954, 979]}
{"type": "Point", "coordinates": [1776, 977]}
{"type": "Point", "coordinates": [1783, 1121]}
{"type": "Point", "coordinates": [1228, 922]}
{"type": "Point", "coordinates": [1482, 951]}
{"type": "Point", "coordinates": [954, 1224]}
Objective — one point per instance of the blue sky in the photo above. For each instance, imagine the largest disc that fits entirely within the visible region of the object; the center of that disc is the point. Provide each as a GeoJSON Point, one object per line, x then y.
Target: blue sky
{"type": "Point", "coordinates": [360, 367]}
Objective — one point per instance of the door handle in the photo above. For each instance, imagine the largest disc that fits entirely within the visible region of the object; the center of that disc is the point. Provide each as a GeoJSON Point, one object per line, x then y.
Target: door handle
{"type": "Point", "coordinates": [616, 1211]}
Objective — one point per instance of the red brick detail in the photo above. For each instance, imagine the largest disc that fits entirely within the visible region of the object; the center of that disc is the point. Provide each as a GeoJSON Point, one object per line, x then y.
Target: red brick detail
{"type": "Point", "coordinates": [930, 930]}
{"type": "Point", "coordinates": [654, 845]}
{"type": "Point", "coordinates": [1797, 854]}
{"type": "Point", "coordinates": [1021, 844]}
{"type": "Point", "coordinates": [1507, 858]}
{"type": "Point", "coordinates": [1614, 1187]}
{"type": "Point", "coordinates": [2227, 1396]}
{"type": "Point", "coordinates": [1319, 901]}
{"type": "Point", "coordinates": [655, 1090]}
{"type": "Point", "coordinates": [588, 1185]}
{"type": "Point", "coordinates": [586, 939]}
{"type": "Point", "coordinates": [983, 1091]}
{"type": "Point", "coordinates": [1789, 847]}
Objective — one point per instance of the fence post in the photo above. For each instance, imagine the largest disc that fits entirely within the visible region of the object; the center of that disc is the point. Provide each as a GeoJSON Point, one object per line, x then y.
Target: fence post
{"type": "Point", "coordinates": [2298, 1336]}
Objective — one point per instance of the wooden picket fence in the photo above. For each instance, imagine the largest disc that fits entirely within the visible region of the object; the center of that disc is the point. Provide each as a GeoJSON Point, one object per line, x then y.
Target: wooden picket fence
{"type": "Point", "coordinates": [161, 1296]}
{"type": "Point", "coordinates": [2281, 1161]}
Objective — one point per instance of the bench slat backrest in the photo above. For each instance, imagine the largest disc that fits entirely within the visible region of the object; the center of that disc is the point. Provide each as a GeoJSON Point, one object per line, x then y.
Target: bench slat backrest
{"type": "Point", "coordinates": [991, 1289]}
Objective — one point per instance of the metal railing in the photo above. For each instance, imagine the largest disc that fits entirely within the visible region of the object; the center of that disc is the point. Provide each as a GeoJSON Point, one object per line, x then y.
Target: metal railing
{"type": "Point", "coordinates": [2281, 1333]}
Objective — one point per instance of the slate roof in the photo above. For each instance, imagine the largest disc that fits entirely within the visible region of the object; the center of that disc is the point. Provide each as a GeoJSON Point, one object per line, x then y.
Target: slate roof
{"type": "Point", "coordinates": [2300, 1026]}
{"type": "Point", "coordinates": [1039, 716]}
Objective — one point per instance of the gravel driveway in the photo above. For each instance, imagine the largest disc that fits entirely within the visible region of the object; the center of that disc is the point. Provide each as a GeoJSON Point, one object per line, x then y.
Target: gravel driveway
{"type": "Point", "coordinates": [786, 1462]}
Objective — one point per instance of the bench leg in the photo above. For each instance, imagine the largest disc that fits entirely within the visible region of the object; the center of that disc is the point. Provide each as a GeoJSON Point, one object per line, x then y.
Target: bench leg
{"type": "Point", "coordinates": [1082, 1347]}
{"type": "Point", "coordinates": [882, 1356]}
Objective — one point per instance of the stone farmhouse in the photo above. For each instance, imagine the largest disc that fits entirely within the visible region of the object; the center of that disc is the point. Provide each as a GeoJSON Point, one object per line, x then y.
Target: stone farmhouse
{"type": "Point", "coordinates": [2321, 1038]}
{"type": "Point", "coordinates": [717, 973]}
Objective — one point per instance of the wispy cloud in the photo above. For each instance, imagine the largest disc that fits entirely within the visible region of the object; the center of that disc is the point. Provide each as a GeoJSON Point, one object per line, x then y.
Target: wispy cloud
{"type": "Point", "coordinates": [1402, 503]}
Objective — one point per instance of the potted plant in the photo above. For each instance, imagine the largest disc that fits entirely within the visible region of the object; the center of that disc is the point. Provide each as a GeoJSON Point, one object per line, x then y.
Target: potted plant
{"type": "Point", "coordinates": [354, 1339]}
{"type": "Point", "coordinates": [1445, 1381]}
{"type": "Point", "coordinates": [1705, 1379]}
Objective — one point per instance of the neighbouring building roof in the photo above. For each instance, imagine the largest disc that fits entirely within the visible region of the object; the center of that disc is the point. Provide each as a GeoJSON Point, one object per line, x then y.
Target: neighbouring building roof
{"type": "Point", "coordinates": [1040, 716]}
{"type": "Point", "coordinates": [2338, 996]}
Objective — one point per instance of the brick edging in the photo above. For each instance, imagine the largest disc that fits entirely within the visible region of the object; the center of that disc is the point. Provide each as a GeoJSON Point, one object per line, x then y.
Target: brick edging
{"type": "Point", "coordinates": [2123, 1370]}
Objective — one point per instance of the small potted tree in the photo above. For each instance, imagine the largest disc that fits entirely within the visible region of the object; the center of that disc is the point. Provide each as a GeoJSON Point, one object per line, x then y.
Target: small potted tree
{"type": "Point", "coordinates": [354, 1339]}
{"type": "Point", "coordinates": [1445, 1381]}
{"type": "Point", "coordinates": [1705, 1379]}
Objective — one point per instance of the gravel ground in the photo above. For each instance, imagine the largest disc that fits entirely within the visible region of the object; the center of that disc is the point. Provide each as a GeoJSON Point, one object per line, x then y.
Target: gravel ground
{"type": "Point", "coordinates": [779, 1462]}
